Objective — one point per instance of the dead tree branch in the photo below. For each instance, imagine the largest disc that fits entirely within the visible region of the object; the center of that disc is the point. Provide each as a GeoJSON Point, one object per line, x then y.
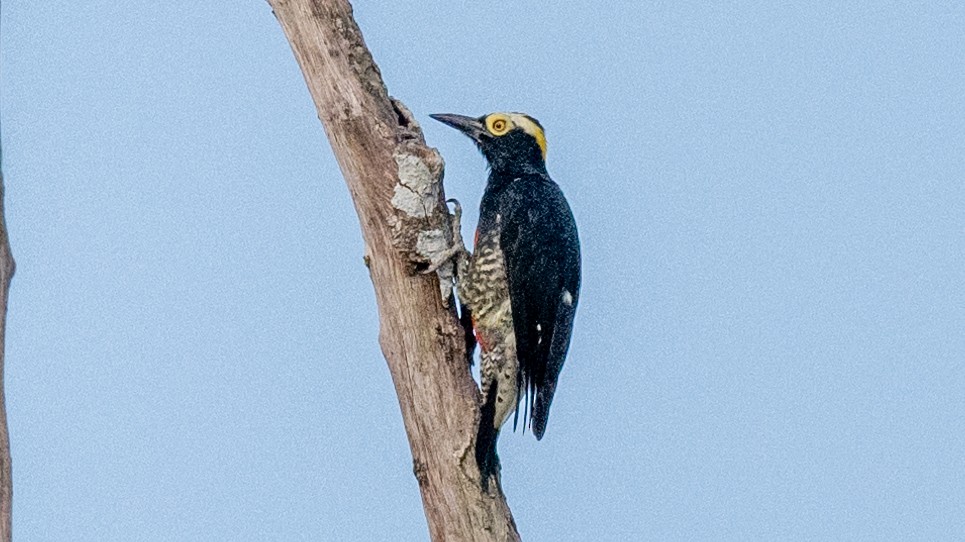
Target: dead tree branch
{"type": "Point", "coordinates": [6, 273]}
{"type": "Point", "coordinates": [396, 184]}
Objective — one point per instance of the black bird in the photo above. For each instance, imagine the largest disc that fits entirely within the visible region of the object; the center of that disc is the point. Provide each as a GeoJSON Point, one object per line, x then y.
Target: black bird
{"type": "Point", "coordinates": [522, 284]}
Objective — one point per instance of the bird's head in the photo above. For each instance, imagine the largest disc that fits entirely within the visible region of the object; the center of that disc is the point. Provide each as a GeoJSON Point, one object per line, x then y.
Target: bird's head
{"type": "Point", "coordinates": [511, 142]}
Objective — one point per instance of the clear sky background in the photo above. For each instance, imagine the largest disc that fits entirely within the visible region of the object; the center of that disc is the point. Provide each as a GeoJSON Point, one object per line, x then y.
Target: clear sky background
{"type": "Point", "coordinates": [771, 338]}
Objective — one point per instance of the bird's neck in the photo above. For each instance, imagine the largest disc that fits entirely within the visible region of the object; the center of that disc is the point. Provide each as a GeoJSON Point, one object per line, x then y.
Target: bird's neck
{"type": "Point", "coordinates": [515, 168]}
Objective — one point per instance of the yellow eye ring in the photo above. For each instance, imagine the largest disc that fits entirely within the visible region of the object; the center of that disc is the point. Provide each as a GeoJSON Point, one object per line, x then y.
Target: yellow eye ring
{"type": "Point", "coordinates": [499, 126]}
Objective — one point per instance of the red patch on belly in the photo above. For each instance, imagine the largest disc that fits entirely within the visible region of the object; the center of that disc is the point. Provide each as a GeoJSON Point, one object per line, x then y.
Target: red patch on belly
{"type": "Point", "coordinates": [479, 337]}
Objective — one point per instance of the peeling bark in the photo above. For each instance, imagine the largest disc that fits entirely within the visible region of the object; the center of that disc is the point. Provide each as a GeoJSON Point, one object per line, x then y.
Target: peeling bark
{"type": "Point", "coordinates": [396, 185]}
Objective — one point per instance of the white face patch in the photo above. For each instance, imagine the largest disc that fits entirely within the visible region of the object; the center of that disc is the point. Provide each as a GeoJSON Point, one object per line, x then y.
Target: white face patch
{"type": "Point", "coordinates": [567, 298]}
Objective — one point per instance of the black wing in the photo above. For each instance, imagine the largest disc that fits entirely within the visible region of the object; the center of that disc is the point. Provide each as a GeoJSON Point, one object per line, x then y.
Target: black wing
{"type": "Point", "coordinates": [542, 252]}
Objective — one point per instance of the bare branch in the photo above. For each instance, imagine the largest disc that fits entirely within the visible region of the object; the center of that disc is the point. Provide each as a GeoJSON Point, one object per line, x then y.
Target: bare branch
{"type": "Point", "coordinates": [396, 185]}
{"type": "Point", "coordinates": [7, 267]}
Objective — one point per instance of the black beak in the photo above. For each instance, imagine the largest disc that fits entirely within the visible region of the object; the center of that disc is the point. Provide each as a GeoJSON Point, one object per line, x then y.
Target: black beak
{"type": "Point", "coordinates": [467, 125]}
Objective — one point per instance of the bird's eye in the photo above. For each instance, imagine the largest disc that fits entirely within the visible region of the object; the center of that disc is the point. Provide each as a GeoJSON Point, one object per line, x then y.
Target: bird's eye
{"type": "Point", "coordinates": [499, 126]}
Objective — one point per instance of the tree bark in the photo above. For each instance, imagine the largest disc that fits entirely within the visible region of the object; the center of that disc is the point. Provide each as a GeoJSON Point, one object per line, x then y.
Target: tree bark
{"type": "Point", "coordinates": [6, 273]}
{"type": "Point", "coordinates": [396, 185]}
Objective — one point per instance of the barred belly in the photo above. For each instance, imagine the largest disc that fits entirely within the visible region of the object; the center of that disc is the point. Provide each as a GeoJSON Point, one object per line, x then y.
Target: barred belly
{"type": "Point", "coordinates": [486, 291]}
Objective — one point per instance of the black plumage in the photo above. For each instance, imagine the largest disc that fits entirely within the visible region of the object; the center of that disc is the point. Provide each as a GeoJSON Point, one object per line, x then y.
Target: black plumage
{"type": "Point", "coordinates": [524, 277]}
{"type": "Point", "coordinates": [542, 252]}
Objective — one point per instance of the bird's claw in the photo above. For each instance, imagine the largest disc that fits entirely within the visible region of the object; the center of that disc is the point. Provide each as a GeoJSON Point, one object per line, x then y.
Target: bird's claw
{"type": "Point", "coordinates": [458, 247]}
{"type": "Point", "coordinates": [444, 257]}
{"type": "Point", "coordinates": [456, 211]}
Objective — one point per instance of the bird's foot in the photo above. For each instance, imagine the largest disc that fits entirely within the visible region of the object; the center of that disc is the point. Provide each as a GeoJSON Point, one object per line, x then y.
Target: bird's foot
{"type": "Point", "coordinates": [456, 252]}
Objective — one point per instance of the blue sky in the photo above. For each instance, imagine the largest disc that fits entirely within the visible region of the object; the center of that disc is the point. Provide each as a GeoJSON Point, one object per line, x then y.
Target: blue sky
{"type": "Point", "coordinates": [770, 339]}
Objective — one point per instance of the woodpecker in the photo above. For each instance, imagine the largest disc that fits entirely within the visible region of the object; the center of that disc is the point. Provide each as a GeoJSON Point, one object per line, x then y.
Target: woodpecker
{"type": "Point", "coordinates": [522, 282]}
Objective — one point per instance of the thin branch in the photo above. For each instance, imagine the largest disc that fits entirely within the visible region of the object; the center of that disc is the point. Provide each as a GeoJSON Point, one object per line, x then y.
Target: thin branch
{"type": "Point", "coordinates": [396, 184]}
{"type": "Point", "coordinates": [7, 267]}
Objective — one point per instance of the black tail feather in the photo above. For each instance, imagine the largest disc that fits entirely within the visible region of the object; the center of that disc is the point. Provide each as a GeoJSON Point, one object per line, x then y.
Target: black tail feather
{"type": "Point", "coordinates": [486, 456]}
{"type": "Point", "coordinates": [541, 411]}
{"type": "Point", "coordinates": [465, 318]}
